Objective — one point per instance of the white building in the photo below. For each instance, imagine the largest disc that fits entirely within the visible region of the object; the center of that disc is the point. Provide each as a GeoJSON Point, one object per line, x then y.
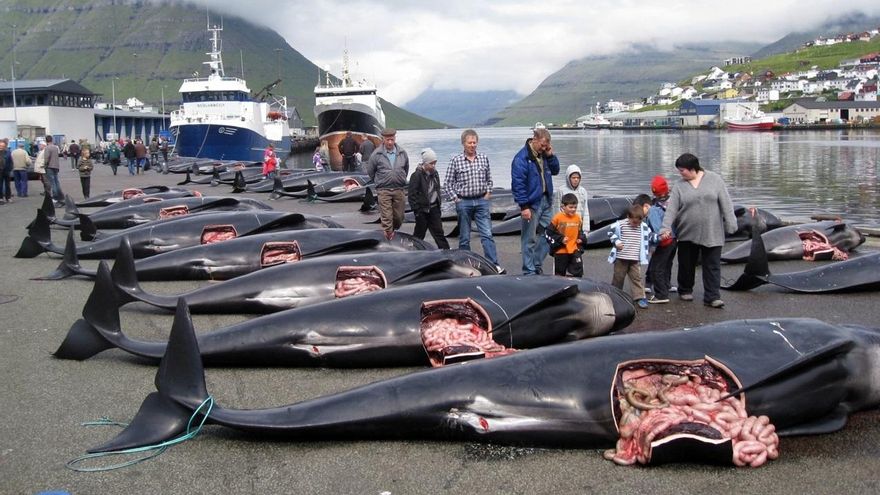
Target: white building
{"type": "Point", "coordinates": [809, 111]}
{"type": "Point", "coordinates": [58, 107]}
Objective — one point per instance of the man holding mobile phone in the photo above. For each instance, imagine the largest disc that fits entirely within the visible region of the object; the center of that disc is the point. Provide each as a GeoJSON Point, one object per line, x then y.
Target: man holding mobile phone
{"type": "Point", "coordinates": [531, 179]}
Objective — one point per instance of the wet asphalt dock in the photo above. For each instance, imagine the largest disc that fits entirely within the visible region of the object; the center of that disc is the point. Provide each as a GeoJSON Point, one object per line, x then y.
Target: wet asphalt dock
{"type": "Point", "coordinates": [43, 400]}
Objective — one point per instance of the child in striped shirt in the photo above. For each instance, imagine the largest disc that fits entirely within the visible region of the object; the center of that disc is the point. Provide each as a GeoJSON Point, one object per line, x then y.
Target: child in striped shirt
{"type": "Point", "coordinates": [630, 239]}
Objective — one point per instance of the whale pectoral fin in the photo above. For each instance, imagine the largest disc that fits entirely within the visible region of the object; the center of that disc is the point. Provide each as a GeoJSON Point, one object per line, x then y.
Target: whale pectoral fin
{"type": "Point", "coordinates": [290, 220]}
{"type": "Point", "coordinates": [811, 359]}
{"type": "Point", "coordinates": [831, 422]}
{"type": "Point", "coordinates": [524, 307]}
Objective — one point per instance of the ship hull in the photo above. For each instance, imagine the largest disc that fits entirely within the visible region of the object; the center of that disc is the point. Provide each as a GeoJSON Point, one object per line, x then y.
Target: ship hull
{"type": "Point", "coordinates": [224, 142]}
{"type": "Point", "coordinates": [334, 122]}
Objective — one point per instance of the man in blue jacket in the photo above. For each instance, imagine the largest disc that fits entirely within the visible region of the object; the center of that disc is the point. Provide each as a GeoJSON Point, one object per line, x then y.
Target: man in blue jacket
{"type": "Point", "coordinates": [531, 178]}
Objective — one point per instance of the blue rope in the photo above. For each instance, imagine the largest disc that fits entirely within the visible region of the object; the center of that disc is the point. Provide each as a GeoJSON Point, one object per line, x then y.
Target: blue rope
{"type": "Point", "coordinates": [153, 450]}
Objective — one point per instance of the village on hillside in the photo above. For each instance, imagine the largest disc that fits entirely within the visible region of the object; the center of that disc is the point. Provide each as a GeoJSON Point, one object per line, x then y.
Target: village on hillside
{"type": "Point", "coordinates": [723, 97]}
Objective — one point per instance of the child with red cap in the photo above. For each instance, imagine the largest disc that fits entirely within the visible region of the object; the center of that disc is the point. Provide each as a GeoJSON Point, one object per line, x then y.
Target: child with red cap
{"type": "Point", "coordinates": [660, 265]}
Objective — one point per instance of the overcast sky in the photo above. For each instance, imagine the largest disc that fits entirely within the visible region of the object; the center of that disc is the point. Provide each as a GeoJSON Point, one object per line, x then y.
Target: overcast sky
{"type": "Point", "coordinates": [406, 47]}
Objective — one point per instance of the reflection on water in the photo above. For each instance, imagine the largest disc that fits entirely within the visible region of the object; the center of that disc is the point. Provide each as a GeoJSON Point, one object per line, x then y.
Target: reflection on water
{"type": "Point", "coordinates": [794, 174]}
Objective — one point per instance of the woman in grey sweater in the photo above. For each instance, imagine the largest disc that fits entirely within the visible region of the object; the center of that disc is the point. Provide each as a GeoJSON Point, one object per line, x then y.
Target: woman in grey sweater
{"type": "Point", "coordinates": [701, 211]}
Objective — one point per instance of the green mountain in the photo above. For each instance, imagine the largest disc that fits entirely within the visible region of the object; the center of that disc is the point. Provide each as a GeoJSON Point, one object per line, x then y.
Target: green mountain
{"type": "Point", "coordinates": [574, 90]}
{"type": "Point", "coordinates": [150, 48]}
{"type": "Point", "coordinates": [852, 23]}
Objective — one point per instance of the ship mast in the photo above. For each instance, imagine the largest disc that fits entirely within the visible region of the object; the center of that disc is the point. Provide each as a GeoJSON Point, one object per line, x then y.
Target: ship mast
{"type": "Point", "coordinates": [346, 75]}
{"type": "Point", "coordinates": [216, 61]}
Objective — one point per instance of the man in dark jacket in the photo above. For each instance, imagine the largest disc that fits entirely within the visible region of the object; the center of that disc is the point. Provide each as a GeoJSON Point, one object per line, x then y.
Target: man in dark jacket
{"type": "Point", "coordinates": [347, 148]}
{"type": "Point", "coordinates": [130, 155]}
{"type": "Point", "coordinates": [531, 182]}
{"type": "Point", "coordinates": [424, 199]}
{"type": "Point", "coordinates": [367, 148]}
{"type": "Point", "coordinates": [388, 168]}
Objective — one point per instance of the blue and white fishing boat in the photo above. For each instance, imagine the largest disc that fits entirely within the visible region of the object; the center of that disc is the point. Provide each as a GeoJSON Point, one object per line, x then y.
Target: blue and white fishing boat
{"type": "Point", "coordinates": [219, 119]}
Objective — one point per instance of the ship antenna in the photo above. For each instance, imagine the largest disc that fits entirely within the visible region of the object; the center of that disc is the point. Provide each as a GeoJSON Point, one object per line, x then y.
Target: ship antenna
{"type": "Point", "coordinates": [346, 77]}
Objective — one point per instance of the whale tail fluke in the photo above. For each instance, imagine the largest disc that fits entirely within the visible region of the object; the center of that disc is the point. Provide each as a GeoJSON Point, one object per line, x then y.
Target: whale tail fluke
{"type": "Point", "coordinates": [757, 266]}
{"type": "Point", "coordinates": [70, 209]}
{"type": "Point", "coordinates": [69, 266]}
{"type": "Point", "coordinates": [180, 385]}
{"type": "Point", "coordinates": [87, 229]}
{"type": "Point", "coordinates": [38, 238]}
{"type": "Point", "coordinates": [185, 181]}
{"type": "Point", "coordinates": [239, 185]}
{"type": "Point", "coordinates": [125, 284]}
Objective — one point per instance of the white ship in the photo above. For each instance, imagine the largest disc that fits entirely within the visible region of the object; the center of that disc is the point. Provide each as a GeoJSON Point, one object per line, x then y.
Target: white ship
{"type": "Point", "coordinates": [347, 106]}
{"type": "Point", "coordinates": [219, 118]}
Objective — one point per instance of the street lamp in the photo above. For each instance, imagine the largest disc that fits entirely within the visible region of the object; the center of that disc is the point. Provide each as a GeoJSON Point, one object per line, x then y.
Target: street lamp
{"type": "Point", "coordinates": [12, 70]}
{"type": "Point", "coordinates": [113, 86]}
{"type": "Point", "coordinates": [163, 107]}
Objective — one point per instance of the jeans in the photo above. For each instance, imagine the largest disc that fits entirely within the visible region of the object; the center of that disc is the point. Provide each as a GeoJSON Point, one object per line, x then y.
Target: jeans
{"type": "Point", "coordinates": [534, 247]}
{"type": "Point", "coordinates": [52, 174]}
{"type": "Point", "coordinates": [5, 186]}
{"type": "Point", "coordinates": [688, 256]}
{"type": "Point", "coordinates": [476, 210]}
{"type": "Point", "coordinates": [21, 182]}
{"type": "Point", "coordinates": [131, 162]}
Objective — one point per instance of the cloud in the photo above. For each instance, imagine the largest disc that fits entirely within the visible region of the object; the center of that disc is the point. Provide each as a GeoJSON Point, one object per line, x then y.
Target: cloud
{"type": "Point", "coordinates": [406, 47]}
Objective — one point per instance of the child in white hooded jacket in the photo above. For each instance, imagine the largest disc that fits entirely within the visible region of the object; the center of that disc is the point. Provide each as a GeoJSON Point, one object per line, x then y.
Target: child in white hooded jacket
{"type": "Point", "coordinates": [573, 186]}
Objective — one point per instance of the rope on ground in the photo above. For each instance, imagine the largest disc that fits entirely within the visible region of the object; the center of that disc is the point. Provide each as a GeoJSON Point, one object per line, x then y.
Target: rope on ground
{"type": "Point", "coordinates": [151, 450]}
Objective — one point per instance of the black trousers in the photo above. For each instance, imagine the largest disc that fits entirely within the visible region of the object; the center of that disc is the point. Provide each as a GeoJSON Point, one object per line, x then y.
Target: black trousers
{"type": "Point", "coordinates": [689, 254]}
{"type": "Point", "coordinates": [660, 270]}
{"type": "Point", "coordinates": [86, 183]}
{"type": "Point", "coordinates": [572, 263]}
{"type": "Point", "coordinates": [349, 163]}
{"type": "Point", "coordinates": [430, 220]}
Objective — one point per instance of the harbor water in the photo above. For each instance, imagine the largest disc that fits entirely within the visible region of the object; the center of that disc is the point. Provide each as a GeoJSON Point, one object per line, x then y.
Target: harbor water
{"type": "Point", "coordinates": [795, 174]}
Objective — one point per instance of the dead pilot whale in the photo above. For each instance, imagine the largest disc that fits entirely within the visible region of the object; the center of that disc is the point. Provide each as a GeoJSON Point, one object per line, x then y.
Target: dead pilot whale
{"type": "Point", "coordinates": [436, 323]}
{"type": "Point", "coordinates": [800, 376]}
{"type": "Point", "coordinates": [307, 281]}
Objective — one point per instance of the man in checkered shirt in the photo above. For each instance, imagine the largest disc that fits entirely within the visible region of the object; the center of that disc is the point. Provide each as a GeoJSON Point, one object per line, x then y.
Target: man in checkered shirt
{"type": "Point", "coordinates": [469, 182]}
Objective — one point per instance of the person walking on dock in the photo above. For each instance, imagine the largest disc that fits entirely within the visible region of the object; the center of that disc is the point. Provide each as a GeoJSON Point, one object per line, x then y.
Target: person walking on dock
{"type": "Point", "coordinates": [388, 168]}
{"type": "Point", "coordinates": [424, 199]}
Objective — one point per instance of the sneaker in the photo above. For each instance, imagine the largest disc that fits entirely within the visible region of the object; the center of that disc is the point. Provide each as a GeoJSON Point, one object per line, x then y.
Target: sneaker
{"type": "Point", "coordinates": [657, 300]}
{"type": "Point", "coordinates": [643, 303]}
{"type": "Point", "coordinates": [717, 303]}
{"type": "Point", "coordinates": [673, 289]}
{"type": "Point", "coordinates": [686, 297]}
{"type": "Point", "coordinates": [500, 269]}
{"type": "Point", "coordinates": [649, 290]}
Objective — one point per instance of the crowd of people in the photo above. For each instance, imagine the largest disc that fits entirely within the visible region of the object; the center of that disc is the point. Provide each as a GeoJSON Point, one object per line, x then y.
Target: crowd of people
{"type": "Point", "coordinates": [688, 218]}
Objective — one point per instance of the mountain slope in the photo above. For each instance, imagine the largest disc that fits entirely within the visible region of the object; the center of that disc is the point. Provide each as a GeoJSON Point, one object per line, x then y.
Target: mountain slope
{"type": "Point", "coordinates": [853, 23]}
{"type": "Point", "coordinates": [461, 108]}
{"type": "Point", "coordinates": [151, 48]}
{"type": "Point", "coordinates": [573, 90]}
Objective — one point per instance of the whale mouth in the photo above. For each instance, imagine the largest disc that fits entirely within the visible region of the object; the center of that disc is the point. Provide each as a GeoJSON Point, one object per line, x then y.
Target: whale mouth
{"type": "Point", "coordinates": [173, 211]}
{"type": "Point", "coordinates": [276, 253]}
{"type": "Point", "coordinates": [132, 193]}
{"type": "Point", "coordinates": [152, 199]}
{"type": "Point", "coordinates": [217, 233]}
{"type": "Point", "coordinates": [352, 280]}
{"type": "Point", "coordinates": [673, 411]}
{"type": "Point", "coordinates": [456, 330]}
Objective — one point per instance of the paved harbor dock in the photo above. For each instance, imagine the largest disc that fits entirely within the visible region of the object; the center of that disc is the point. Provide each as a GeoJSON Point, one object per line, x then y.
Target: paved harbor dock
{"type": "Point", "coordinates": [43, 400]}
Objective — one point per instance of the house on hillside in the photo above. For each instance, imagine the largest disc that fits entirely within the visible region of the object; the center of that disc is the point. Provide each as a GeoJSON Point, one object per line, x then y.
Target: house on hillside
{"type": "Point", "coordinates": [867, 93]}
{"type": "Point", "coordinates": [764, 95]}
{"type": "Point", "coordinates": [810, 111]}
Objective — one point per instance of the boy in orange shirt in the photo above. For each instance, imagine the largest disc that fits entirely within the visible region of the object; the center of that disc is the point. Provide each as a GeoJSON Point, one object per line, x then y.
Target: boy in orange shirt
{"type": "Point", "coordinates": [565, 234]}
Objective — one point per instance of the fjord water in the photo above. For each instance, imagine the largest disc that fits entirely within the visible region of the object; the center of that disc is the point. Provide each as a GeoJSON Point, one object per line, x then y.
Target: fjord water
{"type": "Point", "coordinates": [794, 174]}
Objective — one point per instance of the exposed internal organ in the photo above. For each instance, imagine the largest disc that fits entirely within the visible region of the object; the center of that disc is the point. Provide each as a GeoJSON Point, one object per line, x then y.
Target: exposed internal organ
{"type": "Point", "coordinates": [351, 280]}
{"type": "Point", "coordinates": [276, 253]}
{"type": "Point", "coordinates": [817, 247]}
{"type": "Point", "coordinates": [218, 233]}
{"type": "Point", "coordinates": [457, 330]}
{"type": "Point", "coordinates": [658, 400]}
{"type": "Point", "coordinates": [131, 193]}
{"type": "Point", "coordinates": [349, 183]}
{"type": "Point", "coordinates": [173, 211]}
